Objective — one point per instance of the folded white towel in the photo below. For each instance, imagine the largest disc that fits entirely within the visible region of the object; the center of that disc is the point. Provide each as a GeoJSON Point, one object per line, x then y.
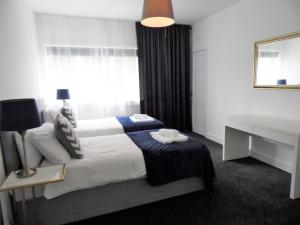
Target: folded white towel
{"type": "Point", "coordinates": [136, 118]}
{"type": "Point", "coordinates": [168, 132]}
{"type": "Point", "coordinates": [167, 140]}
{"type": "Point", "coordinates": [141, 116]}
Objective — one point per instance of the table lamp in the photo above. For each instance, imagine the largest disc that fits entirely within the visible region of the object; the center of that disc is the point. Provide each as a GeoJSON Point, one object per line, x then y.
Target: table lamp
{"type": "Point", "coordinates": [281, 82]}
{"type": "Point", "coordinates": [63, 94]}
{"type": "Point", "coordinates": [20, 115]}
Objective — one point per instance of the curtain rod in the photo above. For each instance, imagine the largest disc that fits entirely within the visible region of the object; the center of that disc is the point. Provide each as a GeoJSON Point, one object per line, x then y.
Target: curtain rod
{"type": "Point", "coordinates": [86, 46]}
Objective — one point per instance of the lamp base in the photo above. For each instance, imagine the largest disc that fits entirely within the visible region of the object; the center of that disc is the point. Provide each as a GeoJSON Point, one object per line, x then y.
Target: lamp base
{"type": "Point", "coordinates": [26, 173]}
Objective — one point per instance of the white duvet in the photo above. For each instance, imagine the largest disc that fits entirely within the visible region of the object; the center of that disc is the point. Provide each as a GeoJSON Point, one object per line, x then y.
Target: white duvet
{"type": "Point", "coordinates": [98, 127]}
{"type": "Point", "coordinates": [108, 159]}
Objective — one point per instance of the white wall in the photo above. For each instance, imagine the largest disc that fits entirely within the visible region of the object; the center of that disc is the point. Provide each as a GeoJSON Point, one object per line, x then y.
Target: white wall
{"type": "Point", "coordinates": [19, 57]}
{"type": "Point", "coordinates": [229, 37]}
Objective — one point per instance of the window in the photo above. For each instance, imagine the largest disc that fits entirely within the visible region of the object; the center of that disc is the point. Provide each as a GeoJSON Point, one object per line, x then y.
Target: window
{"type": "Point", "coordinates": [106, 79]}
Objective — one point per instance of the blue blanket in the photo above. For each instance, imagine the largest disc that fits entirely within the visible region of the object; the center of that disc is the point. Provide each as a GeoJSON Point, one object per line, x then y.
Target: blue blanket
{"type": "Point", "coordinates": [130, 126]}
{"type": "Point", "coordinates": [166, 163]}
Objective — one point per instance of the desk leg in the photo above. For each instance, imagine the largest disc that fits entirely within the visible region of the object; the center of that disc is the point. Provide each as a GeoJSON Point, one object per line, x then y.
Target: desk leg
{"type": "Point", "coordinates": [24, 207]}
{"type": "Point", "coordinates": [15, 219]}
{"type": "Point", "coordinates": [295, 183]}
{"type": "Point", "coordinates": [34, 205]}
{"type": "Point", "coordinates": [236, 144]}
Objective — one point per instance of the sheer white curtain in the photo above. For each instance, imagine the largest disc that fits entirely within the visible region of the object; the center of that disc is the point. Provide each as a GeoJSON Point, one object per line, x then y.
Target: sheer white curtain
{"type": "Point", "coordinates": [95, 59]}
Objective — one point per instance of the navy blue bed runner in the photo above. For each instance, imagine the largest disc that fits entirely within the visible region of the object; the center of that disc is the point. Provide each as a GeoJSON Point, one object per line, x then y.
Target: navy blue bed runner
{"type": "Point", "coordinates": [130, 126]}
{"type": "Point", "coordinates": [166, 163]}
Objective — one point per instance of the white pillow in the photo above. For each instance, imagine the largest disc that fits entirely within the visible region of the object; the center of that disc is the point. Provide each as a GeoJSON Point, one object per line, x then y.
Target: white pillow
{"type": "Point", "coordinates": [50, 113]}
{"type": "Point", "coordinates": [47, 144]}
{"type": "Point", "coordinates": [34, 157]}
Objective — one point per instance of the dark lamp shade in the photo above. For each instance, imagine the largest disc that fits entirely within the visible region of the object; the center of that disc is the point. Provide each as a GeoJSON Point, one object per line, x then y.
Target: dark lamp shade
{"type": "Point", "coordinates": [281, 82]}
{"type": "Point", "coordinates": [158, 13]}
{"type": "Point", "coordinates": [62, 94]}
{"type": "Point", "coordinates": [19, 115]}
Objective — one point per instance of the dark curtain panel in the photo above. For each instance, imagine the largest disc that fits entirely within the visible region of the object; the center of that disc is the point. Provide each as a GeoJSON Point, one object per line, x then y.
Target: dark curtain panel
{"type": "Point", "coordinates": [164, 68]}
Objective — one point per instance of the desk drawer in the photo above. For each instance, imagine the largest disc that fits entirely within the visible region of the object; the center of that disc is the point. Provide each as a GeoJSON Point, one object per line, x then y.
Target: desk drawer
{"type": "Point", "coordinates": [240, 126]}
{"type": "Point", "coordinates": [275, 136]}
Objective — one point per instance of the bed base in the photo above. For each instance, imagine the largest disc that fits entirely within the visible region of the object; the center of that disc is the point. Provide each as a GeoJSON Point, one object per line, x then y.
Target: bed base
{"type": "Point", "coordinates": [80, 205]}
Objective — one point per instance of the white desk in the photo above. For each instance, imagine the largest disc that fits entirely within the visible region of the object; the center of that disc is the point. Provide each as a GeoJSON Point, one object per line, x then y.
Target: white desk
{"type": "Point", "coordinates": [239, 129]}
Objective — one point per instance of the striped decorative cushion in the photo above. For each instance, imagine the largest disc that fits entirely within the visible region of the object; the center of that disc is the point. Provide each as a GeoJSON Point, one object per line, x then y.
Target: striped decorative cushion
{"type": "Point", "coordinates": [68, 112]}
{"type": "Point", "coordinates": [65, 133]}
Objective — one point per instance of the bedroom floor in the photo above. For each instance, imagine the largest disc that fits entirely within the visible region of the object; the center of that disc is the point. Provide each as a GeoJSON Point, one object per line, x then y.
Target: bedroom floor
{"type": "Point", "coordinates": [248, 192]}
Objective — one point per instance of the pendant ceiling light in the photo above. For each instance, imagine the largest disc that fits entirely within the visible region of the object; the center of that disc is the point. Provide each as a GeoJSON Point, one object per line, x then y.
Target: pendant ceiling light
{"type": "Point", "coordinates": [158, 13]}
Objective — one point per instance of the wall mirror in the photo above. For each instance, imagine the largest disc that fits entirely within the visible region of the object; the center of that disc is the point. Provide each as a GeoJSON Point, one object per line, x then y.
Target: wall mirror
{"type": "Point", "coordinates": [277, 62]}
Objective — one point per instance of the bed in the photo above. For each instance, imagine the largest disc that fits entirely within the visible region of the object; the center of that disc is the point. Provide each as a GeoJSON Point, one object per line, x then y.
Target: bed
{"type": "Point", "coordinates": [107, 188]}
{"type": "Point", "coordinates": [103, 126]}
{"type": "Point", "coordinates": [128, 188]}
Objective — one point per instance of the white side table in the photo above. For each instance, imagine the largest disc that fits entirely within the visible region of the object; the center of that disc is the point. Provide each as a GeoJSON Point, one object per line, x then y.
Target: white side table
{"type": "Point", "coordinates": [44, 175]}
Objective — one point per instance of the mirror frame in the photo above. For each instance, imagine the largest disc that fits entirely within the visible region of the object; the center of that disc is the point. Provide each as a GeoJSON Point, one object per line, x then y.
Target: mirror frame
{"type": "Point", "coordinates": [266, 41]}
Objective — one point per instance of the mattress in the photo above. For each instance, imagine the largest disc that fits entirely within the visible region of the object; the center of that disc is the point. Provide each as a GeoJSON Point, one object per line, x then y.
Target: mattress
{"type": "Point", "coordinates": [108, 159]}
{"type": "Point", "coordinates": [98, 127]}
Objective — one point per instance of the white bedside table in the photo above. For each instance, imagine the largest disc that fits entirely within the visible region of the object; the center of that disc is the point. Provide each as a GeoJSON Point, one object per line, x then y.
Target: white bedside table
{"type": "Point", "coordinates": [44, 175]}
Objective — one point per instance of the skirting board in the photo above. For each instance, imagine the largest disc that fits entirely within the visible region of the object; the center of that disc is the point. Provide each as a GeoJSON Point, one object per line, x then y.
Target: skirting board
{"type": "Point", "coordinates": [210, 136]}
{"type": "Point", "coordinates": [280, 164]}
{"type": "Point", "coordinates": [214, 138]}
{"type": "Point", "coordinates": [200, 131]}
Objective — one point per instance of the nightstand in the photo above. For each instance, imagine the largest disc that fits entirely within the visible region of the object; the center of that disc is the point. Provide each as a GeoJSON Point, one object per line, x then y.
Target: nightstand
{"type": "Point", "coordinates": [44, 175]}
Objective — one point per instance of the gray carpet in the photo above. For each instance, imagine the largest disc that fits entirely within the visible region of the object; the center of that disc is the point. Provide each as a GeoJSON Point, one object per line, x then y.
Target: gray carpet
{"type": "Point", "coordinates": [248, 192]}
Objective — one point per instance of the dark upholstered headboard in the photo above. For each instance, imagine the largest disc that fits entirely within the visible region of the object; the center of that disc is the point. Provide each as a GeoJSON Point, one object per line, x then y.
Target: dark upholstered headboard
{"type": "Point", "coordinates": [10, 153]}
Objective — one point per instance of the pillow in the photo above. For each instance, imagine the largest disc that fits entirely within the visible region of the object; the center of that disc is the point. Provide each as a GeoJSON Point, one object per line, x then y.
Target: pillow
{"type": "Point", "coordinates": [68, 112]}
{"type": "Point", "coordinates": [46, 143]}
{"type": "Point", "coordinates": [65, 133]}
{"type": "Point", "coordinates": [34, 157]}
{"type": "Point", "coordinates": [50, 113]}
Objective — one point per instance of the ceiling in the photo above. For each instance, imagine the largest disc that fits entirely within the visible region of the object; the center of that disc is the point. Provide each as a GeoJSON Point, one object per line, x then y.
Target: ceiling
{"type": "Point", "coordinates": [186, 11]}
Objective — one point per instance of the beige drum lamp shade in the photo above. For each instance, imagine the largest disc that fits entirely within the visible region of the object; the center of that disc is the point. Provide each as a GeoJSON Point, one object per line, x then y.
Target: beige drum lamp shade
{"type": "Point", "coordinates": [158, 13]}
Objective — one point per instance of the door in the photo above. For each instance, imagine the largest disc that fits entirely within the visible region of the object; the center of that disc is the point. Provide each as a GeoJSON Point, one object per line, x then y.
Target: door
{"type": "Point", "coordinates": [199, 104]}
